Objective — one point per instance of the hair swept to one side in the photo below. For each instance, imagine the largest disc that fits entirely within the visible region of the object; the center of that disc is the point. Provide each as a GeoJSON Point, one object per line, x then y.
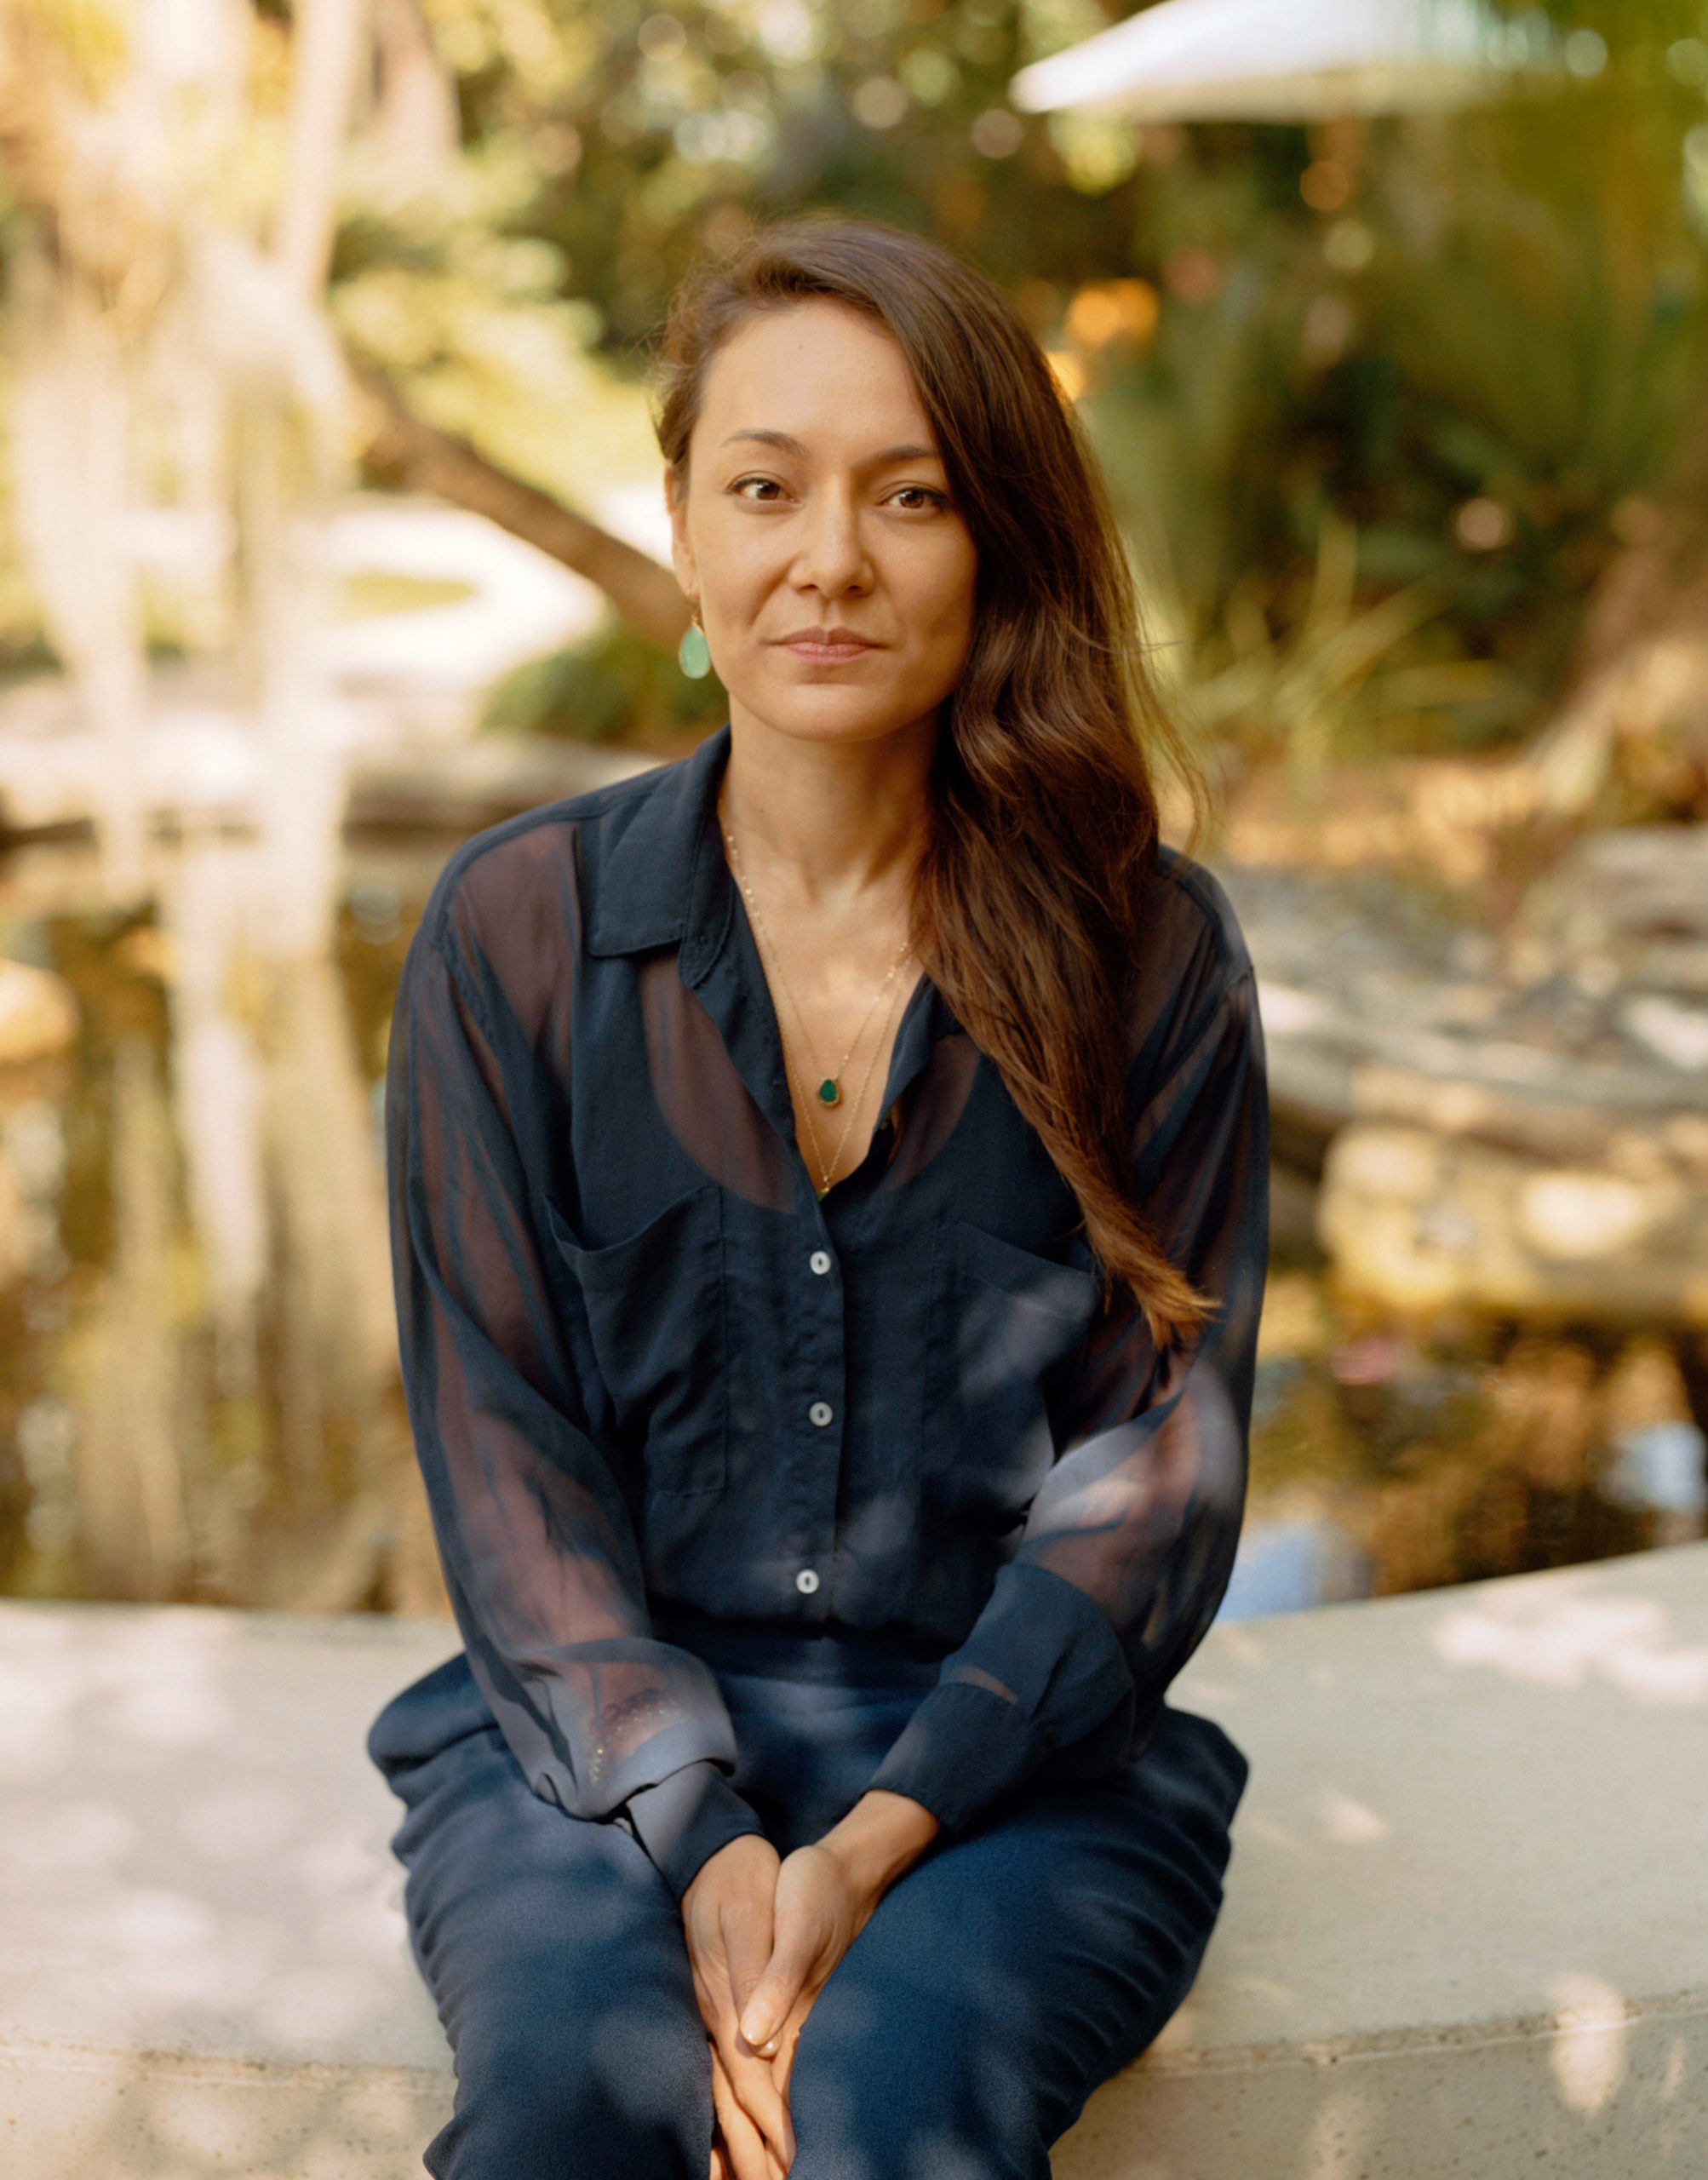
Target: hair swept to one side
{"type": "Point", "coordinates": [1028, 903]}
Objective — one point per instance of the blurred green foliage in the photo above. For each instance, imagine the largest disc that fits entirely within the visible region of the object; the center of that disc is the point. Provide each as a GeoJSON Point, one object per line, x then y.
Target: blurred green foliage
{"type": "Point", "coordinates": [1461, 342]}
{"type": "Point", "coordinates": [657, 130]}
{"type": "Point", "coordinates": [615, 686]}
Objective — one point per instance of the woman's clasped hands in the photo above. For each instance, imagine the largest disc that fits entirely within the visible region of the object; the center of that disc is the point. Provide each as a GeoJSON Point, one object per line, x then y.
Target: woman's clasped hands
{"type": "Point", "coordinates": [764, 1935]}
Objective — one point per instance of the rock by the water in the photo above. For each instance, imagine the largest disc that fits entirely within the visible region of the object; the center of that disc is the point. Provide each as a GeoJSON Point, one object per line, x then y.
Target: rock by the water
{"type": "Point", "coordinates": [1629, 906]}
{"type": "Point", "coordinates": [1424, 1221]}
{"type": "Point", "coordinates": [1517, 1121]}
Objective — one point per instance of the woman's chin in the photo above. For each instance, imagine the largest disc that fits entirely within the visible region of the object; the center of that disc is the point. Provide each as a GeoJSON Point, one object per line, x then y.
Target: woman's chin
{"type": "Point", "coordinates": [826, 715]}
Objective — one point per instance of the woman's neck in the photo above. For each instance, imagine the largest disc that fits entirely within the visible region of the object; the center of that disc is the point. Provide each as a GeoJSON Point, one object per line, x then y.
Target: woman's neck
{"type": "Point", "coordinates": [832, 823]}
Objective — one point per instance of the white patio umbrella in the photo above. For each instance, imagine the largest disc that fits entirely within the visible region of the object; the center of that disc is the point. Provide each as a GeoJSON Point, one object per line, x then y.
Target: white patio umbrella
{"type": "Point", "coordinates": [1287, 60]}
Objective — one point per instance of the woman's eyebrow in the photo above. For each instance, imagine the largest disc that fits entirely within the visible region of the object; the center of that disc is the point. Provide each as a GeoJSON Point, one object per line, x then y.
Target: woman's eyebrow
{"type": "Point", "coordinates": [780, 440]}
{"type": "Point", "coordinates": [785, 445]}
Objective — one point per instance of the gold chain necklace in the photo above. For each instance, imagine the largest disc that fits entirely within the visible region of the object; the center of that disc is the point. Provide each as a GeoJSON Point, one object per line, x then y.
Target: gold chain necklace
{"type": "Point", "coordinates": [829, 1089]}
{"type": "Point", "coordinates": [827, 1172]}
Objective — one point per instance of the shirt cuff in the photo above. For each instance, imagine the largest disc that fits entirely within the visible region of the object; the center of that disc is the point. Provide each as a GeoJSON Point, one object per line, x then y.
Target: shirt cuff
{"type": "Point", "coordinates": [685, 1819]}
{"type": "Point", "coordinates": [963, 1750]}
{"type": "Point", "coordinates": [1042, 1673]}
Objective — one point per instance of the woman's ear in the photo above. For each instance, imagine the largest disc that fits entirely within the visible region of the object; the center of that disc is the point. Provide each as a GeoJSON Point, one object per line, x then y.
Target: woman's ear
{"type": "Point", "coordinates": [681, 552]}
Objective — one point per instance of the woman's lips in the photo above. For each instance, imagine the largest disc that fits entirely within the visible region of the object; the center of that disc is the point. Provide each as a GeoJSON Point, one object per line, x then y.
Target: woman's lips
{"type": "Point", "coordinates": [821, 648]}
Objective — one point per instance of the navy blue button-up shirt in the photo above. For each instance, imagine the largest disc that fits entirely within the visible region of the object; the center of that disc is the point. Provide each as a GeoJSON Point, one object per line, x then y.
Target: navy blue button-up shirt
{"type": "Point", "coordinates": [652, 1376]}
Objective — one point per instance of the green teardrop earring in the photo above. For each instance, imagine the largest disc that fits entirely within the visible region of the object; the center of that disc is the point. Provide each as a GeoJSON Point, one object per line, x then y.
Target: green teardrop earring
{"type": "Point", "coordinates": [694, 653]}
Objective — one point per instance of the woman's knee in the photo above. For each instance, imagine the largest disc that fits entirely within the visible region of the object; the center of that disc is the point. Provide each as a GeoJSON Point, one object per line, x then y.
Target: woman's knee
{"type": "Point", "coordinates": [619, 2097]}
{"type": "Point", "coordinates": [913, 2092]}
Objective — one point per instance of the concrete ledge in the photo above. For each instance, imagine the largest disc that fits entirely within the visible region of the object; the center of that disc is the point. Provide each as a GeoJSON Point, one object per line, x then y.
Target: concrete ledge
{"type": "Point", "coordinates": [203, 1964]}
{"type": "Point", "coordinates": [1463, 1931]}
{"type": "Point", "coordinates": [1463, 1934]}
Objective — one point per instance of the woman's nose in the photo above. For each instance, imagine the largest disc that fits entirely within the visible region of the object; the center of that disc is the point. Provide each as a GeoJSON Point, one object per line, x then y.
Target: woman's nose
{"type": "Point", "coordinates": [833, 558]}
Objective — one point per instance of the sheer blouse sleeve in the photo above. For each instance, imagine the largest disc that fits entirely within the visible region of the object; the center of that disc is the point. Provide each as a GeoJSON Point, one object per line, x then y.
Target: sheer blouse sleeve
{"type": "Point", "coordinates": [1128, 1546]}
{"type": "Point", "coordinates": [534, 1531]}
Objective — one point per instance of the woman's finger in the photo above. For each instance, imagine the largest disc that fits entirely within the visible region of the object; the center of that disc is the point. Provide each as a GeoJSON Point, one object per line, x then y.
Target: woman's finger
{"type": "Point", "coordinates": [787, 2041]}
{"type": "Point", "coordinates": [799, 1932]}
{"type": "Point", "coordinates": [778, 1990]}
{"type": "Point", "coordinates": [751, 2083]}
{"type": "Point", "coordinates": [747, 2154]}
{"type": "Point", "coordinates": [748, 2076]}
{"type": "Point", "coordinates": [737, 2145]}
{"type": "Point", "coordinates": [726, 1920]}
{"type": "Point", "coordinates": [811, 1928]}
{"type": "Point", "coordinates": [748, 1927]}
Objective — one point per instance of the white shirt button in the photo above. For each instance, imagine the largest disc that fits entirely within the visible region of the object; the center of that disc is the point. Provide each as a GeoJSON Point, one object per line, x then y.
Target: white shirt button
{"type": "Point", "coordinates": [821, 1414]}
{"type": "Point", "coordinates": [820, 1260]}
{"type": "Point", "coordinates": [807, 1582]}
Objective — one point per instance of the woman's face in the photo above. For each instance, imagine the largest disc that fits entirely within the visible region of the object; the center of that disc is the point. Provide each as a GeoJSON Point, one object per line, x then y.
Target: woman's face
{"type": "Point", "coordinates": [834, 578]}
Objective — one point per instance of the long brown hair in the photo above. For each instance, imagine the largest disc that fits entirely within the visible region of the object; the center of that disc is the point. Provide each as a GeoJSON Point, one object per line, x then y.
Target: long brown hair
{"type": "Point", "coordinates": [1029, 899]}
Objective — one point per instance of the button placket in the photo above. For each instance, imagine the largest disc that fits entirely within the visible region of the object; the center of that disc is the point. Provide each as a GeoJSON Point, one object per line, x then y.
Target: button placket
{"type": "Point", "coordinates": [823, 1355]}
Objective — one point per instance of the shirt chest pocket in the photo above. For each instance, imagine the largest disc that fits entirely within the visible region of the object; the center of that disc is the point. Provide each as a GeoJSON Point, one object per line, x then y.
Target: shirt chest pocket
{"type": "Point", "coordinates": [1004, 1325]}
{"type": "Point", "coordinates": [656, 1320]}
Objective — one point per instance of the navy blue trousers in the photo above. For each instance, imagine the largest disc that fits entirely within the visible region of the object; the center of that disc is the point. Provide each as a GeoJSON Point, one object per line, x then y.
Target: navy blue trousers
{"type": "Point", "coordinates": [998, 1982]}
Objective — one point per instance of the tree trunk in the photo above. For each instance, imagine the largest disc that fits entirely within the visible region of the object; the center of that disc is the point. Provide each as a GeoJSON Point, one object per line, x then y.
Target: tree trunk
{"type": "Point", "coordinates": [327, 42]}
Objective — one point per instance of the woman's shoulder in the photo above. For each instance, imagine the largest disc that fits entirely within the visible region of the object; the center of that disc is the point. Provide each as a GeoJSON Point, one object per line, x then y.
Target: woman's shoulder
{"type": "Point", "coordinates": [1192, 974]}
{"type": "Point", "coordinates": [1192, 920]}
{"type": "Point", "coordinates": [534, 870]}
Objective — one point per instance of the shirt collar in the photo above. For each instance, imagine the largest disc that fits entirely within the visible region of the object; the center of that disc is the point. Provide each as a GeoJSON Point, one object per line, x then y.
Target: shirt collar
{"type": "Point", "coordinates": [658, 884]}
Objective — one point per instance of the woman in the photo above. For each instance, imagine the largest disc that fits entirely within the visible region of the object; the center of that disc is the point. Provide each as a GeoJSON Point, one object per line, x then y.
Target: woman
{"type": "Point", "coordinates": [828, 1179]}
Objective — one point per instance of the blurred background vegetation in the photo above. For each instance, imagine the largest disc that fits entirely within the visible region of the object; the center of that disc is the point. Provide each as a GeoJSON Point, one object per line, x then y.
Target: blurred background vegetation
{"type": "Point", "coordinates": [1440, 357]}
{"type": "Point", "coordinates": [1430, 361]}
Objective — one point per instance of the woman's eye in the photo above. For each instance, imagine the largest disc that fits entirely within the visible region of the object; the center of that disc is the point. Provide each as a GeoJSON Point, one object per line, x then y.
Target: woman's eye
{"type": "Point", "coordinates": [913, 496]}
{"type": "Point", "coordinates": [762, 489]}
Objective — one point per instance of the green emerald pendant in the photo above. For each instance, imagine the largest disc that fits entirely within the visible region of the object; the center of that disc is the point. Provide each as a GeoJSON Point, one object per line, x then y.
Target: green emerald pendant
{"type": "Point", "coordinates": [828, 1094]}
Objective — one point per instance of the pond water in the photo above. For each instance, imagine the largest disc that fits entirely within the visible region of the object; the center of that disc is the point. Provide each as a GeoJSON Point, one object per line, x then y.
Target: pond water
{"type": "Point", "coordinates": [197, 1386]}
{"type": "Point", "coordinates": [198, 1392]}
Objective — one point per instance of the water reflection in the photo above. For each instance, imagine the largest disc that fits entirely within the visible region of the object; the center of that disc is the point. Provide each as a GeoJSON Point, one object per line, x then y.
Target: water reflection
{"type": "Point", "coordinates": [1289, 1564]}
{"type": "Point", "coordinates": [1392, 1456]}
{"type": "Point", "coordinates": [198, 1390]}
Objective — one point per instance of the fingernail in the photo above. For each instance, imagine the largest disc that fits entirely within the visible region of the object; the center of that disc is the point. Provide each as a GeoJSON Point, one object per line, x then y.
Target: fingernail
{"type": "Point", "coordinates": [756, 2032]}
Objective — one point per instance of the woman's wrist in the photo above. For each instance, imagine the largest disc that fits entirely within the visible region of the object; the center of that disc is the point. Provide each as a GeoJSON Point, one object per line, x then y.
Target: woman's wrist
{"type": "Point", "coordinates": [879, 1839]}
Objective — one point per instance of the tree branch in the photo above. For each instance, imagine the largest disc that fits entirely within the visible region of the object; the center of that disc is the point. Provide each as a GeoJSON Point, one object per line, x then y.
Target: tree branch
{"type": "Point", "coordinates": [404, 452]}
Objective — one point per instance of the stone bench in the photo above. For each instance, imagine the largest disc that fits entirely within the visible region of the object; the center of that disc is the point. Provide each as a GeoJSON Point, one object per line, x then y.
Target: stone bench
{"type": "Point", "coordinates": [1465, 1933]}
